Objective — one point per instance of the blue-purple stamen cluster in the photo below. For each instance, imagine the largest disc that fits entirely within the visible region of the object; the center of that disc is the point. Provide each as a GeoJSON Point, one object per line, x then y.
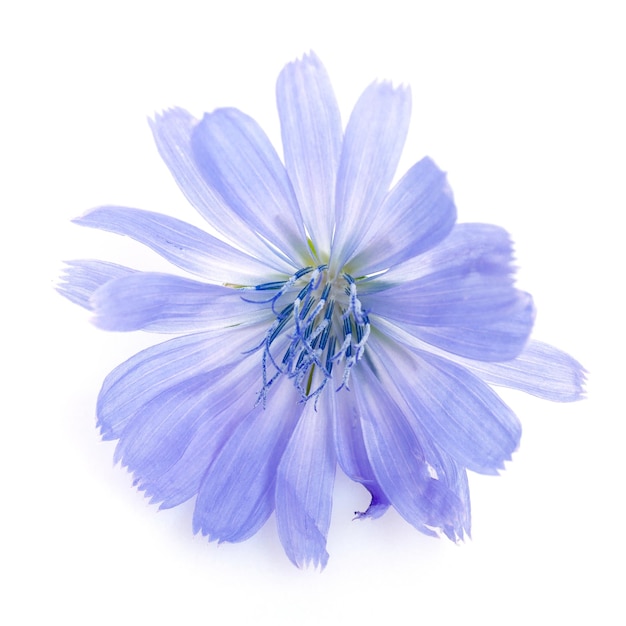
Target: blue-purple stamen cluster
{"type": "Point", "coordinates": [324, 325]}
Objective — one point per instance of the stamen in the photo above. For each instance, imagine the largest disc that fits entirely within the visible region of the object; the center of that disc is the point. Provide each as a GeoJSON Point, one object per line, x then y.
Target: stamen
{"type": "Point", "coordinates": [312, 329]}
{"type": "Point", "coordinates": [282, 287]}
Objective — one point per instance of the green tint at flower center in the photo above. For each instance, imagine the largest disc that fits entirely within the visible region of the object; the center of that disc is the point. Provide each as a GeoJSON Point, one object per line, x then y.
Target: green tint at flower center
{"type": "Point", "coordinates": [319, 326]}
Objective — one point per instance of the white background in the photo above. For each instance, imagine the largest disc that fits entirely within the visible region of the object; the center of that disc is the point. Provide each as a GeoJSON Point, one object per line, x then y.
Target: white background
{"type": "Point", "coordinates": [521, 102]}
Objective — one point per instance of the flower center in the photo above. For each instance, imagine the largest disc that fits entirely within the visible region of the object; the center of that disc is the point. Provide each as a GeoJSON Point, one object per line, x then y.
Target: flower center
{"type": "Point", "coordinates": [319, 325]}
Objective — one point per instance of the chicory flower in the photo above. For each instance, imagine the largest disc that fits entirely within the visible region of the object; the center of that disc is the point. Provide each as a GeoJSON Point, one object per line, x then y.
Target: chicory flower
{"type": "Point", "coordinates": [337, 321]}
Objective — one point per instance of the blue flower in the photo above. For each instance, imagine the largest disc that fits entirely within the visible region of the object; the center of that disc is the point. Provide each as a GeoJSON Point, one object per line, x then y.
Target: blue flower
{"type": "Point", "coordinates": [349, 323]}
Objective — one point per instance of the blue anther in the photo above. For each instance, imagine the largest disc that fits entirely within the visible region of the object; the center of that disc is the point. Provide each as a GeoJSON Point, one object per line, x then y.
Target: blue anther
{"type": "Point", "coordinates": [267, 286]}
{"type": "Point", "coordinates": [359, 332]}
{"type": "Point", "coordinates": [307, 307]}
{"type": "Point", "coordinates": [326, 291]}
{"type": "Point", "coordinates": [329, 310]}
{"type": "Point", "coordinates": [302, 272]}
{"type": "Point", "coordinates": [324, 337]}
{"type": "Point", "coordinates": [316, 339]}
{"type": "Point", "coordinates": [300, 360]}
{"type": "Point", "coordinates": [286, 312]}
{"type": "Point", "coordinates": [330, 354]}
{"type": "Point", "coordinates": [287, 285]}
{"type": "Point", "coordinates": [304, 292]}
{"type": "Point", "coordinates": [363, 333]}
{"type": "Point", "coordinates": [347, 326]}
{"type": "Point", "coordinates": [275, 330]}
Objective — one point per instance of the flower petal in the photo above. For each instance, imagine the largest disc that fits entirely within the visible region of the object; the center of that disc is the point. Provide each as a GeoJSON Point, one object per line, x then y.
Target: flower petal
{"type": "Point", "coordinates": [312, 134]}
{"type": "Point", "coordinates": [468, 250]}
{"type": "Point", "coordinates": [172, 132]}
{"type": "Point", "coordinates": [165, 303]}
{"type": "Point", "coordinates": [455, 478]}
{"type": "Point", "coordinates": [498, 340]}
{"type": "Point", "coordinates": [181, 244]}
{"type": "Point", "coordinates": [237, 160]}
{"type": "Point", "coordinates": [417, 214]}
{"type": "Point", "coordinates": [304, 489]}
{"type": "Point", "coordinates": [541, 370]}
{"type": "Point", "coordinates": [455, 408]}
{"type": "Point", "coordinates": [460, 296]}
{"type": "Point", "coordinates": [147, 374]}
{"type": "Point", "coordinates": [398, 460]}
{"type": "Point", "coordinates": [351, 452]}
{"type": "Point", "coordinates": [170, 441]}
{"type": "Point", "coordinates": [372, 146]}
{"type": "Point", "coordinates": [237, 493]}
{"type": "Point", "coordinates": [80, 279]}
{"type": "Point", "coordinates": [457, 296]}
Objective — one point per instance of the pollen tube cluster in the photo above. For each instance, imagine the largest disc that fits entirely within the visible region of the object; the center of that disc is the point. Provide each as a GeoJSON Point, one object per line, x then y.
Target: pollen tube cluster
{"type": "Point", "coordinates": [319, 326]}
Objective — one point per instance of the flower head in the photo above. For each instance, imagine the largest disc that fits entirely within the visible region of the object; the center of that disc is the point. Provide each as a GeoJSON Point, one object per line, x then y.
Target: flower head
{"type": "Point", "coordinates": [338, 321]}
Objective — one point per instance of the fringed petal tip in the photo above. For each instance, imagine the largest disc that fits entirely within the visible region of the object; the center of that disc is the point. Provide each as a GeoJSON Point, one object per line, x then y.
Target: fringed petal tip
{"type": "Point", "coordinates": [457, 536]}
{"type": "Point", "coordinates": [79, 279]}
{"type": "Point", "coordinates": [540, 370]}
{"type": "Point", "coordinates": [306, 549]}
{"type": "Point", "coordinates": [577, 375]}
{"type": "Point", "coordinates": [167, 114]}
{"type": "Point", "coordinates": [306, 58]}
{"type": "Point", "coordinates": [581, 385]}
{"type": "Point", "coordinates": [315, 562]}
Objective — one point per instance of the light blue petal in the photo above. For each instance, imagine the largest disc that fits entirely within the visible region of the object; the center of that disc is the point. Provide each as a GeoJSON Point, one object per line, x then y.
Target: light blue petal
{"type": "Point", "coordinates": [455, 478]}
{"type": "Point", "coordinates": [399, 461]}
{"type": "Point", "coordinates": [170, 441]}
{"type": "Point", "coordinates": [482, 248]}
{"type": "Point", "coordinates": [304, 489]}
{"type": "Point", "coordinates": [237, 493]}
{"type": "Point", "coordinates": [237, 159]}
{"type": "Point", "coordinates": [312, 134]}
{"type": "Point", "coordinates": [80, 279]}
{"type": "Point", "coordinates": [498, 340]}
{"type": "Point", "coordinates": [443, 466]}
{"type": "Point", "coordinates": [183, 479]}
{"type": "Point", "coordinates": [417, 214]}
{"type": "Point", "coordinates": [541, 370]}
{"type": "Point", "coordinates": [463, 283]}
{"type": "Point", "coordinates": [458, 411]}
{"type": "Point", "coordinates": [184, 245]}
{"type": "Point", "coordinates": [372, 146]}
{"type": "Point", "coordinates": [172, 132]}
{"type": "Point", "coordinates": [351, 452]}
{"type": "Point", "coordinates": [171, 304]}
{"type": "Point", "coordinates": [458, 296]}
{"type": "Point", "coordinates": [149, 373]}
